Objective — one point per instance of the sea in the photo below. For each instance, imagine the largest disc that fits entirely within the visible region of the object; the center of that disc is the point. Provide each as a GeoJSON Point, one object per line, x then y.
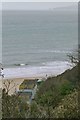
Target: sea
{"type": "Point", "coordinates": [38, 42]}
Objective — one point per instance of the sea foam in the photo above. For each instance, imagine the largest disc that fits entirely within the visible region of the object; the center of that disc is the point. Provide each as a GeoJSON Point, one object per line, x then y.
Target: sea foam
{"type": "Point", "coordinates": [49, 68]}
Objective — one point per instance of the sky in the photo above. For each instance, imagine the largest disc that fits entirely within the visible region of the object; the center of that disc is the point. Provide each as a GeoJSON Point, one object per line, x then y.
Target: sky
{"type": "Point", "coordinates": [40, 0]}
{"type": "Point", "coordinates": [35, 5]}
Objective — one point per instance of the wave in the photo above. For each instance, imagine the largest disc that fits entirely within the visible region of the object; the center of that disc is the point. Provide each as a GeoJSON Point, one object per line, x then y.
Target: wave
{"type": "Point", "coordinates": [49, 68]}
{"type": "Point", "coordinates": [55, 51]}
{"type": "Point", "coordinates": [22, 64]}
{"type": "Point", "coordinates": [34, 51]}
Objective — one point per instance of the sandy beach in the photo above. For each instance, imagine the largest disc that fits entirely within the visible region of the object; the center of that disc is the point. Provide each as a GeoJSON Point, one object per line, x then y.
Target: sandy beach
{"type": "Point", "coordinates": [15, 76]}
{"type": "Point", "coordinates": [14, 83]}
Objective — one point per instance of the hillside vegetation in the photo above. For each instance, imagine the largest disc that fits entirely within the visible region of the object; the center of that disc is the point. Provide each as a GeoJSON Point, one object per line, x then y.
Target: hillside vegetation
{"type": "Point", "coordinates": [57, 97]}
{"type": "Point", "coordinates": [58, 94]}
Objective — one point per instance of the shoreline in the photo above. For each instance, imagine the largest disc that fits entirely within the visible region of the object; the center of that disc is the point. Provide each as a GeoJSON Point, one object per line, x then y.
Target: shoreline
{"type": "Point", "coordinates": [49, 69]}
{"type": "Point", "coordinates": [30, 78]}
{"type": "Point", "coordinates": [18, 75]}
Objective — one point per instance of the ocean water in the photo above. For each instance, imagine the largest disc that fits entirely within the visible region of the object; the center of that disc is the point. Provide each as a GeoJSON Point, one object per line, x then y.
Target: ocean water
{"type": "Point", "coordinates": [38, 38]}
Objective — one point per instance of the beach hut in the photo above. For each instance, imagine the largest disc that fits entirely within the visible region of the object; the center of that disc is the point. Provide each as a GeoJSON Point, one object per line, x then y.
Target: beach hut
{"type": "Point", "coordinates": [39, 81]}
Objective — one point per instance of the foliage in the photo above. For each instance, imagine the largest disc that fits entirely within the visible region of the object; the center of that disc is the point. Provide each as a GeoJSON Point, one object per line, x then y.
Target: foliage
{"type": "Point", "coordinates": [68, 107]}
{"type": "Point", "coordinates": [13, 106]}
{"type": "Point", "coordinates": [35, 110]}
{"type": "Point", "coordinates": [57, 97]}
{"type": "Point", "coordinates": [27, 84]}
{"type": "Point", "coordinates": [66, 88]}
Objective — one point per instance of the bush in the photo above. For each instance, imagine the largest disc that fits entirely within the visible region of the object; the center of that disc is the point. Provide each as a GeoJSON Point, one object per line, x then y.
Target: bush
{"type": "Point", "coordinates": [66, 88]}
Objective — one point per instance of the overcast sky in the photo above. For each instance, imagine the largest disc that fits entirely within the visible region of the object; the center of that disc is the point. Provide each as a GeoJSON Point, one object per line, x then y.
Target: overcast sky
{"type": "Point", "coordinates": [35, 5]}
{"type": "Point", "coordinates": [40, 0]}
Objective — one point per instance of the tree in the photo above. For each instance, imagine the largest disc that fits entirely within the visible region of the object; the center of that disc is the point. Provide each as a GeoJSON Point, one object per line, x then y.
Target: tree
{"type": "Point", "coordinates": [7, 85]}
{"type": "Point", "coordinates": [75, 56]}
{"type": "Point", "coordinates": [13, 105]}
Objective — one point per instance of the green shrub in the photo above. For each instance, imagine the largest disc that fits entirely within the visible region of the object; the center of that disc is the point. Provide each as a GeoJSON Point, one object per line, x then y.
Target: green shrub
{"type": "Point", "coordinates": [66, 88]}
